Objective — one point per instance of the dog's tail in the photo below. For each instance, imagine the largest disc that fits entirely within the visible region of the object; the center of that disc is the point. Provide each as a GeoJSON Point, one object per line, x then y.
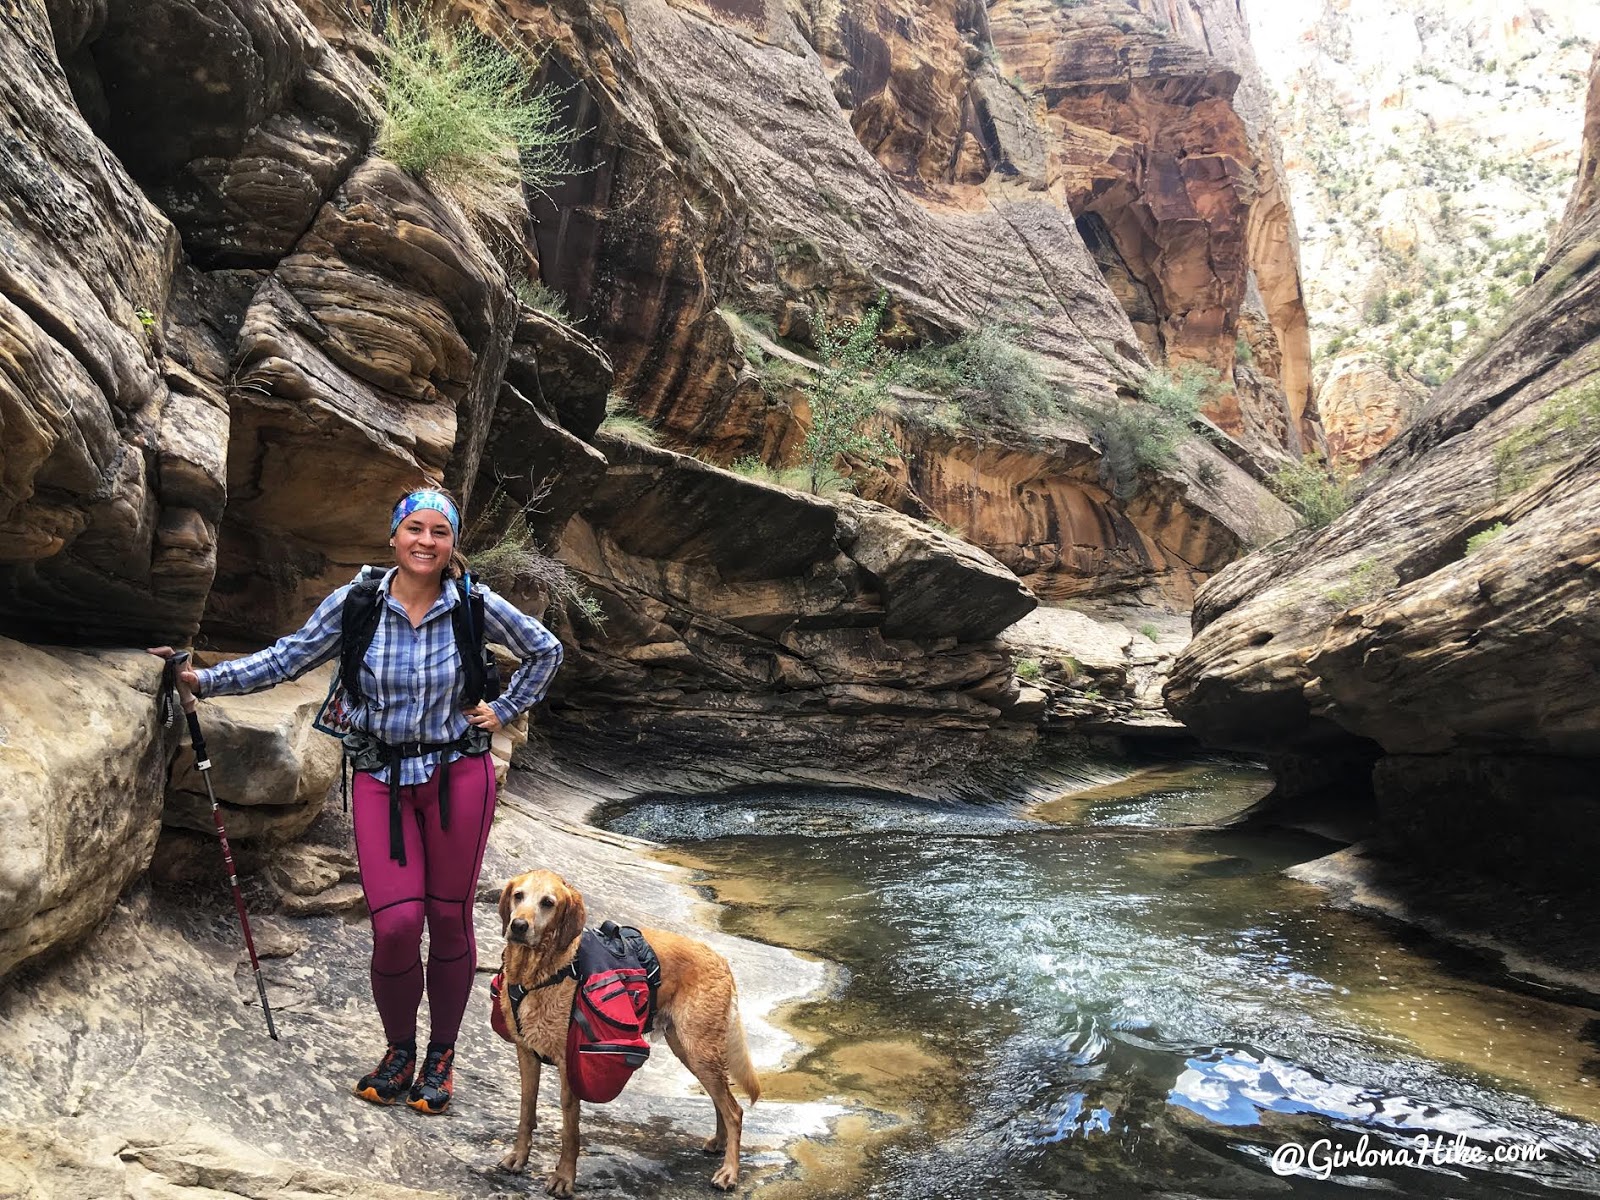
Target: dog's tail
{"type": "Point", "coordinates": [738, 1055]}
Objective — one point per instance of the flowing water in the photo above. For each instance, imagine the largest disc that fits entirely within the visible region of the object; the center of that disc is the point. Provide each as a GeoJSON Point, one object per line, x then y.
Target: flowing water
{"type": "Point", "coordinates": [1110, 995]}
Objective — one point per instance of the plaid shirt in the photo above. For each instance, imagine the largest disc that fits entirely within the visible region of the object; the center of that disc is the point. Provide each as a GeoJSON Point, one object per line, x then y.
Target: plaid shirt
{"type": "Point", "coordinates": [411, 676]}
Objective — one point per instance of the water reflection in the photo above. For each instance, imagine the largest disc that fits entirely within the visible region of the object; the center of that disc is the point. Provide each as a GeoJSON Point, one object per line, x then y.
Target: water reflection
{"type": "Point", "coordinates": [1114, 994]}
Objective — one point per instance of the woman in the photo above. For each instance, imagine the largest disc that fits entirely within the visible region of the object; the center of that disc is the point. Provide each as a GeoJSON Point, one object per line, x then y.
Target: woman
{"type": "Point", "coordinates": [420, 838]}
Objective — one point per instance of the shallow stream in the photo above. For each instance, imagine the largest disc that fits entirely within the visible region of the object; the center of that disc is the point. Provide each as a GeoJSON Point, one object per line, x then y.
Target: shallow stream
{"type": "Point", "coordinates": [1111, 995]}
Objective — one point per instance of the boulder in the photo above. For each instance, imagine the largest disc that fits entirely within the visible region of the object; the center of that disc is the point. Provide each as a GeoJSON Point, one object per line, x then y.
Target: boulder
{"type": "Point", "coordinates": [82, 770]}
{"type": "Point", "coordinates": [271, 770]}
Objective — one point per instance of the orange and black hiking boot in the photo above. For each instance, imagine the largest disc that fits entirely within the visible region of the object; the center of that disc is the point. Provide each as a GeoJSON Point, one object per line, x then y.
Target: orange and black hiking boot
{"type": "Point", "coordinates": [391, 1077]}
{"type": "Point", "coordinates": [431, 1092]}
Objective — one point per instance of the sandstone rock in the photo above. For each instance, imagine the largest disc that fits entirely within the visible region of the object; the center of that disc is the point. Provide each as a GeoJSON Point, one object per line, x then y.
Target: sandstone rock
{"type": "Point", "coordinates": [271, 770]}
{"type": "Point", "coordinates": [372, 355]}
{"type": "Point", "coordinates": [80, 793]}
{"type": "Point", "coordinates": [1385, 634]}
{"type": "Point", "coordinates": [1362, 408]}
{"type": "Point", "coordinates": [92, 551]}
{"type": "Point", "coordinates": [932, 584]}
{"type": "Point", "coordinates": [241, 170]}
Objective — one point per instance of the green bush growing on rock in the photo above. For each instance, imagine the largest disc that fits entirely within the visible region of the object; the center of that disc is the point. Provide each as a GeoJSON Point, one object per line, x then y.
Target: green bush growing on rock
{"type": "Point", "coordinates": [625, 424]}
{"type": "Point", "coordinates": [536, 295]}
{"type": "Point", "coordinates": [456, 107]}
{"type": "Point", "coordinates": [852, 382]}
{"type": "Point", "coordinates": [985, 372]}
{"type": "Point", "coordinates": [1569, 419]}
{"type": "Point", "coordinates": [1369, 579]}
{"type": "Point", "coordinates": [1133, 438]}
{"type": "Point", "coordinates": [799, 478]}
{"type": "Point", "coordinates": [1484, 536]}
{"type": "Point", "coordinates": [1150, 632]}
{"type": "Point", "coordinates": [1316, 491]}
{"type": "Point", "coordinates": [1029, 670]}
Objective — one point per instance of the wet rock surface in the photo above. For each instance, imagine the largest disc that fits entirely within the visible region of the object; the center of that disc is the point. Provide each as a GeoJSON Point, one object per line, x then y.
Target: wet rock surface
{"type": "Point", "coordinates": [151, 1065]}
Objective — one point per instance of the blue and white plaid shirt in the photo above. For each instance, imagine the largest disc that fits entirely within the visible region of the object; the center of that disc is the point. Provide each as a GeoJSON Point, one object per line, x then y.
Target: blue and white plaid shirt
{"type": "Point", "coordinates": [412, 676]}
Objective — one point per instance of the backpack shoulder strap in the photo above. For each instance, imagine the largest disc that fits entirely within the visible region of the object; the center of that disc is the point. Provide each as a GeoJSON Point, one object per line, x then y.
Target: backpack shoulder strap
{"type": "Point", "coordinates": [358, 622]}
{"type": "Point", "coordinates": [466, 619]}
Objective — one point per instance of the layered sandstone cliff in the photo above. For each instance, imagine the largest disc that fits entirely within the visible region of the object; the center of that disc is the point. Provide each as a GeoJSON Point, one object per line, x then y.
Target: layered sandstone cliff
{"type": "Point", "coordinates": [1437, 641]}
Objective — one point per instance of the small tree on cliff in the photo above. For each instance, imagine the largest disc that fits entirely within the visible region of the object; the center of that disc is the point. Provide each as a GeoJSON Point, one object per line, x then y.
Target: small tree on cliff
{"type": "Point", "coordinates": [854, 374]}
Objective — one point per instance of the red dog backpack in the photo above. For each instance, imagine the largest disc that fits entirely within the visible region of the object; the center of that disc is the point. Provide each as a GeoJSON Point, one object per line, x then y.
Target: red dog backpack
{"type": "Point", "coordinates": [612, 1010]}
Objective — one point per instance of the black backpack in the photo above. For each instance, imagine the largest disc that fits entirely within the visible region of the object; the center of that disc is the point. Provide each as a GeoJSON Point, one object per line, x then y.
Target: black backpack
{"type": "Point", "coordinates": [358, 624]}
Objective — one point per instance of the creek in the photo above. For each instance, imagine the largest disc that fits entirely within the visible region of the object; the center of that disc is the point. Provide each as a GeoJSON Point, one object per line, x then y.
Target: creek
{"type": "Point", "coordinates": [1112, 993]}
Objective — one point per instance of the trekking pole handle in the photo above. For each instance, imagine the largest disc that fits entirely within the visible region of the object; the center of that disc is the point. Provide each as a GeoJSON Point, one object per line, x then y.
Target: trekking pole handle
{"type": "Point", "coordinates": [202, 760]}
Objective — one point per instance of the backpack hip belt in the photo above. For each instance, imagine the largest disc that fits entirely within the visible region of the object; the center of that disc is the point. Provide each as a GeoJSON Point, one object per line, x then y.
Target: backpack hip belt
{"type": "Point", "coordinates": [368, 753]}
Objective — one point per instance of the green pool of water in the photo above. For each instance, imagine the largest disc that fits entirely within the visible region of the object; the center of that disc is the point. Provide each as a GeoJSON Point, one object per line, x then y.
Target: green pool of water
{"type": "Point", "coordinates": [1111, 995]}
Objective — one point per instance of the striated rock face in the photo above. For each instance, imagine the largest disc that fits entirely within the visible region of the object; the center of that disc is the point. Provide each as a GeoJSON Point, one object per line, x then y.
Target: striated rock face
{"type": "Point", "coordinates": [1177, 188]}
{"type": "Point", "coordinates": [373, 354]}
{"type": "Point", "coordinates": [944, 199]}
{"type": "Point", "coordinates": [1457, 667]}
{"type": "Point", "coordinates": [108, 509]}
{"type": "Point", "coordinates": [82, 772]}
{"type": "Point", "coordinates": [1045, 512]}
{"type": "Point", "coordinates": [750, 621]}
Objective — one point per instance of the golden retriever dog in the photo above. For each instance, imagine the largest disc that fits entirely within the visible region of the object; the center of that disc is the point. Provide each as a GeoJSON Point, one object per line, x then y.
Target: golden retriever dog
{"type": "Point", "coordinates": [542, 918]}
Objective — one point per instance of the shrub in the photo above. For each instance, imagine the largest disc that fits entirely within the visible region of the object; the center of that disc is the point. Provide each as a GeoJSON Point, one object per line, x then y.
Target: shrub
{"type": "Point", "coordinates": [1150, 631]}
{"type": "Point", "coordinates": [798, 478]}
{"type": "Point", "coordinates": [1484, 536]}
{"type": "Point", "coordinates": [540, 298]}
{"type": "Point", "coordinates": [1242, 351]}
{"type": "Point", "coordinates": [622, 423]}
{"type": "Point", "coordinates": [1029, 669]}
{"type": "Point", "coordinates": [987, 374]}
{"type": "Point", "coordinates": [502, 552]}
{"type": "Point", "coordinates": [456, 107]}
{"type": "Point", "coordinates": [852, 382]}
{"type": "Point", "coordinates": [1368, 580]}
{"type": "Point", "coordinates": [1569, 419]}
{"type": "Point", "coordinates": [1315, 491]}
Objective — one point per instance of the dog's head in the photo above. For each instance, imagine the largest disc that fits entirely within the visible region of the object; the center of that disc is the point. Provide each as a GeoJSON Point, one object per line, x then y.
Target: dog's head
{"type": "Point", "coordinates": [540, 908]}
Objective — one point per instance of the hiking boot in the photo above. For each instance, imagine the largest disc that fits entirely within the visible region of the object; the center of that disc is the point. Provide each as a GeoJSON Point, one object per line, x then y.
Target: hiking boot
{"type": "Point", "coordinates": [431, 1092]}
{"type": "Point", "coordinates": [390, 1079]}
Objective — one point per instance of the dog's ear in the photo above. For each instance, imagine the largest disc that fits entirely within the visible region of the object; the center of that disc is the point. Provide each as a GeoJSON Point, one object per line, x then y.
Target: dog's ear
{"type": "Point", "coordinates": [505, 907]}
{"type": "Point", "coordinates": [573, 916]}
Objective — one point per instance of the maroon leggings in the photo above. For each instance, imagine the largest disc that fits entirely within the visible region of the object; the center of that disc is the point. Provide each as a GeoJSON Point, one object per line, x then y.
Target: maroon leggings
{"type": "Point", "coordinates": [438, 882]}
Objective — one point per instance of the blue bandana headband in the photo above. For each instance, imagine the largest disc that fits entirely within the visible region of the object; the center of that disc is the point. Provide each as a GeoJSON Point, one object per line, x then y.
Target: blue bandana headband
{"type": "Point", "coordinates": [427, 498]}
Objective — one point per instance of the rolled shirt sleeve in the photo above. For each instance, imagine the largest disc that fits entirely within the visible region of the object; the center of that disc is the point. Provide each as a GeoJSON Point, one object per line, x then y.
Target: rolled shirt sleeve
{"type": "Point", "coordinates": [538, 648]}
{"type": "Point", "coordinates": [290, 657]}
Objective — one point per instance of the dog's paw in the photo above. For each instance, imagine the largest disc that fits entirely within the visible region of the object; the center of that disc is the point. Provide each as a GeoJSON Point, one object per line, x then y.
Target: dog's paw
{"type": "Point", "coordinates": [726, 1179]}
{"type": "Point", "coordinates": [514, 1161]}
{"type": "Point", "coordinates": [559, 1183]}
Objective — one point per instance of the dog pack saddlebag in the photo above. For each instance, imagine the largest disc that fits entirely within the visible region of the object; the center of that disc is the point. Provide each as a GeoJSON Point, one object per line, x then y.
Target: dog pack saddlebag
{"type": "Point", "coordinates": [610, 1015]}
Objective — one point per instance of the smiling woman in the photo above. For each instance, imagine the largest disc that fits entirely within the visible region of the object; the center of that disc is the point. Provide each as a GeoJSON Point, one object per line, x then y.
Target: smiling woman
{"type": "Point", "coordinates": [421, 713]}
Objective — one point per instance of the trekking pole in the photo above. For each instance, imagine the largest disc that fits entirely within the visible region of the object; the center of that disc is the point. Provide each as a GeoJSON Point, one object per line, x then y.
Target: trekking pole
{"type": "Point", "coordinates": [202, 763]}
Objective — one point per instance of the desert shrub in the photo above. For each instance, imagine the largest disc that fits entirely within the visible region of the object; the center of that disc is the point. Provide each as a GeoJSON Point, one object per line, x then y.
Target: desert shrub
{"type": "Point", "coordinates": [1029, 669]}
{"type": "Point", "coordinates": [456, 106]}
{"type": "Point", "coordinates": [624, 423]}
{"type": "Point", "coordinates": [852, 382]}
{"type": "Point", "coordinates": [987, 374]}
{"type": "Point", "coordinates": [1316, 491]}
{"type": "Point", "coordinates": [1368, 580]}
{"type": "Point", "coordinates": [536, 295]}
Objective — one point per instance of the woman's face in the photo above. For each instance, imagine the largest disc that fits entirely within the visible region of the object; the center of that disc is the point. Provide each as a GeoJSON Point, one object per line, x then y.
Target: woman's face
{"type": "Point", "coordinates": [422, 544]}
